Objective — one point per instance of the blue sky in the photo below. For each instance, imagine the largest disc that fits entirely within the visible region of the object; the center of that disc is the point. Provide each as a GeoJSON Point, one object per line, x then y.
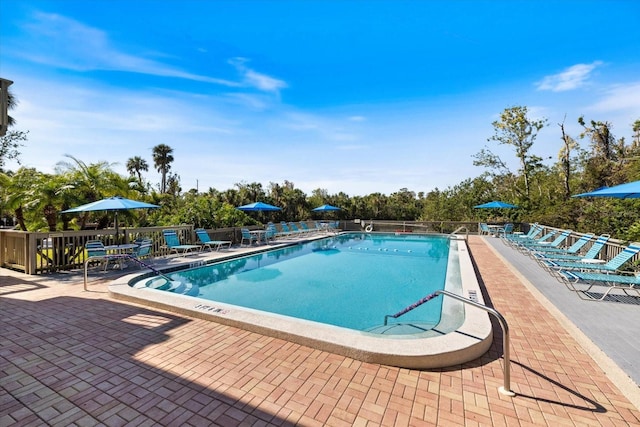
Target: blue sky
{"type": "Point", "coordinates": [353, 96]}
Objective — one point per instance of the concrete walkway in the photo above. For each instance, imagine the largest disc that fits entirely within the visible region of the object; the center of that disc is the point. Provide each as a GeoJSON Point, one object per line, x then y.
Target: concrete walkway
{"type": "Point", "coordinates": [70, 357]}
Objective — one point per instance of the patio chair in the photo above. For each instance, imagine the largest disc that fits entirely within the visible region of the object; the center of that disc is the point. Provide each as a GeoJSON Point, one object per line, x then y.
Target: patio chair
{"type": "Point", "coordinates": [610, 266]}
{"type": "Point", "coordinates": [143, 250]}
{"type": "Point", "coordinates": [484, 229]}
{"type": "Point", "coordinates": [173, 243]}
{"type": "Point", "coordinates": [96, 252]}
{"type": "Point", "coordinates": [270, 233]}
{"type": "Point", "coordinates": [246, 235]}
{"type": "Point", "coordinates": [206, 241]}
{"type": "Point", "coordinates": [507, 229]}
{"type": "Point", "coordinates": [623, 281]}
{"type": "Point", "coordinates": [592, 253]}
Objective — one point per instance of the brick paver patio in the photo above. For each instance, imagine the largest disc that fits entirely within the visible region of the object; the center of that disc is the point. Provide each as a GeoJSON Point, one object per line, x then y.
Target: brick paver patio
{"type": "Point", "coordinates": [70, 357]}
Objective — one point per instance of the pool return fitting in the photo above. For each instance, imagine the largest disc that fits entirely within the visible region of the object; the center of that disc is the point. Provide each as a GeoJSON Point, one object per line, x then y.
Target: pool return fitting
{"type": "Point", "coordinates": [506, 387]}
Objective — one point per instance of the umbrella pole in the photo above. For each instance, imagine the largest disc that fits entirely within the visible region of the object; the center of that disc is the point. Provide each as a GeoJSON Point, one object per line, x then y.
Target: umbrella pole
{"type": "Point", "coordinates": [115, 221]}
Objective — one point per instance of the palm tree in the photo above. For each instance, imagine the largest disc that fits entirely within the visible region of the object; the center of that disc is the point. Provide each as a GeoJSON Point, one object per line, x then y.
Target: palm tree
{"type": "Point", "coordinates": [11, 104]}
{"type": "Point", "coordinates": [162, 159]}
{"type": "Point", "coordinates": [92, 182]}
{"type": "Point", "coordinates": [135, 166]}
{"type": "Point", "coordinates": [10, 142]}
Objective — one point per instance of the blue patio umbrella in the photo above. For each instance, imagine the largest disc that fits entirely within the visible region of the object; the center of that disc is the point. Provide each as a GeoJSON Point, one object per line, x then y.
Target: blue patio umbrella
{"type": "Point", "coordinates": [259, 206]}
{"type": "Point", "coordinates": [495, 205]}
{"type": "Point", "coordinates": [630, 190]}
{"type": "Point", "coordinates": [115, 204]}
{"type": "Point", "coordinates": [325, 208]}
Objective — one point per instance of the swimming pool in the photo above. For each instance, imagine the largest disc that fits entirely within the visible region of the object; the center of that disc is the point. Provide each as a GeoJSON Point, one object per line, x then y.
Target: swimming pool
{"type": "Point", "coordinates": [333, 294]}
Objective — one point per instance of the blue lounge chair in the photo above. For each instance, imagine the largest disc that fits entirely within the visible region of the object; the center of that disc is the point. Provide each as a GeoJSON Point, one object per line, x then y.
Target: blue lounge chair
{"type": "Point", "coordinates": [553, 244]}
{"type": "Point", "coordinates": [622, 281]}
{"type": "Point", "coordinates": [518, 244]}
{"type": "Point", "coordinates": [286, 230]}
{"type": "Point", "coordinates": [296, 230]}
{"type": "Point", "coordinates": [206, 241]}
{"type": "Point", "coordinates": [610, 266]}
{"type": "Point", "coordinates": [571, 250]}
{"type": "Point", "coordinates": [531, 236]}
{"type": "Point", "coordinates": [591, 254]}
{"type": "Point", "coordinates": [173, 243]}
{"type": "Point", "coordinates": [305, 227]}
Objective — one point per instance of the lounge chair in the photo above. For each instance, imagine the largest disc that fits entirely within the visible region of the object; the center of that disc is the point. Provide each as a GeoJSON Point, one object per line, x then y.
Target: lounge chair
{"type": "Point", "coordinates": [610, 266]}
{"type": "Point", "coordinates": [296, 230]}
{"type": "Point", "coordinates": [553, 244]}
{"type": "Point", "coordinates": [591, 254]}
{"type": "Point", "coordinates": [306, 228]}
{"type": "Point", "coordinates": [571, 250]}
{"type": "Point", "coordinates": [518, 244]}
{"type": "Point", "coordinates": [531, 236]}
{"type": "Point", "coordinates": [623, 281]}
{"type": "Point", "coordinates": [206, 241]}
{"type": "Point", "coordinates": [173, 243]}
{"type": "Point", "coordinates": [247, 236]}
{"type": "Point", "coordinates": [286, 230]}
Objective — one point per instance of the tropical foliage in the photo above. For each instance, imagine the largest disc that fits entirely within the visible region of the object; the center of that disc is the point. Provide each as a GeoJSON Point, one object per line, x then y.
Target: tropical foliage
{"type": "Point", "coordinates": [591, 159]}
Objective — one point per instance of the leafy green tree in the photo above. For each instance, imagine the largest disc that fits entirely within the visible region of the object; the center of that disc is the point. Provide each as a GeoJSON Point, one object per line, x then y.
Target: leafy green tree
{"type": "Point", "coordinates": [17, 190]}
{"type": "Point", "coordinates": [569, 145]}
{"type": "Point", "coordinates": [162, 159]}
{"type": "Point", "coordinates": [519, 131]}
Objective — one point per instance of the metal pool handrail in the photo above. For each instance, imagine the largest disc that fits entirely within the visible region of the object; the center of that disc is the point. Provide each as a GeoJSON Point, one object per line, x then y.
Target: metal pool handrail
{"type": "Point", "coordinates": [506, 387]}
{"type": "Point", "coordinates": [119, 256]}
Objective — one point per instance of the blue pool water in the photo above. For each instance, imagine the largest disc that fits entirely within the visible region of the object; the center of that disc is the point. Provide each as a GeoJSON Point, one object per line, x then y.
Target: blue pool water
{"type": "Point", "coordinates": [350, 280]}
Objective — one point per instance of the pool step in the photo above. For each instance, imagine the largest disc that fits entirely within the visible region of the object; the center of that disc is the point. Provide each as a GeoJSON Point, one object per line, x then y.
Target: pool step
{"type": "Point", "coordinates": [162, 284]}
{"type": "Point", "coordinates": [402, 328]}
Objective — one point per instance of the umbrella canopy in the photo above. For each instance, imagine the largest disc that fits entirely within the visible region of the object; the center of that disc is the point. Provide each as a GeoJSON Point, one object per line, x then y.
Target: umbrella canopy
{"type": "Point", "coordinates": [116, 204]}
{"type": "Point", "coordinates": [325, 208]}
{"type": "Point", "coordinates": [111, 204]}
{"type": "Point", "coordinates": [630, 190]}
{"type": "Point", "coordinates": [495, 204]}
{"type": "Point", "coordinates": [259, 206]}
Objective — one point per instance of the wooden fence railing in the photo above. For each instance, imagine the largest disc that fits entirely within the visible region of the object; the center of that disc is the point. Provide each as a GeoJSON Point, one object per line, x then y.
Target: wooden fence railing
{"type": "Point", "coordinates": [43, 252]}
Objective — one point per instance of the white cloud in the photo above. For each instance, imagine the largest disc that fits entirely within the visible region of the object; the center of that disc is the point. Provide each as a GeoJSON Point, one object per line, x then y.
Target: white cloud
{"type": "Point", "coordinates": [255, 79]}
{"type": "Point", "coordinates": [572, 78]}
{"type": "Point", "coordinates": [620, 98]}
{"type": "Point", "coordinates": [62, 42]}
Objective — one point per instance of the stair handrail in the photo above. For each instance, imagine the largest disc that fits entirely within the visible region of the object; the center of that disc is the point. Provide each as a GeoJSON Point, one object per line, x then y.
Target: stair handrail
{"type": "Point", "coordinates": [506, 387]}
{"type": "Point", "coordinates": [462, 227]}
{"type": "Point", "coordinates": [119, 256]}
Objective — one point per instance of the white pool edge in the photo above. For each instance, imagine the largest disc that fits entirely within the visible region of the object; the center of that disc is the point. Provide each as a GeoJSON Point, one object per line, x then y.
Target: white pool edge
{"type": "Point", "coordinates": [470, 341]}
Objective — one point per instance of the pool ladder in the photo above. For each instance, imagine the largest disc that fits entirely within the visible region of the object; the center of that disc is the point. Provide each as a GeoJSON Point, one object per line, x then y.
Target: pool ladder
{"type": "Point", "coordinates": [506, 387]}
